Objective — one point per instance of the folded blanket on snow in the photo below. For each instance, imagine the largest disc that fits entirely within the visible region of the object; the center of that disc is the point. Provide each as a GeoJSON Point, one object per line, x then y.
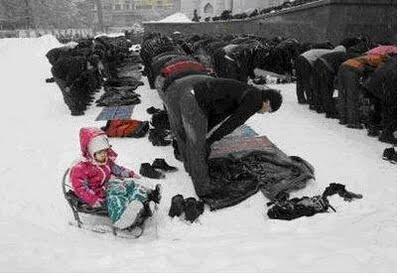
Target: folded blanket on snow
{"type": "Point", "coordinates": [237, 177]}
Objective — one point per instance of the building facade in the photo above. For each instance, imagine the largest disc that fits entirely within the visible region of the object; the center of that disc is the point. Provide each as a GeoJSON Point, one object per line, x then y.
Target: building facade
{"type": "Point", "coordinates": [210, 8]}
{"type": "Point", "coordinates": [125, 13]}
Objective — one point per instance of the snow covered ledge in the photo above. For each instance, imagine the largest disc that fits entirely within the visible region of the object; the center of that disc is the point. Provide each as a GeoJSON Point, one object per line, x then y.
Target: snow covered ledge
{"type": "Point", "coordinates": [317, 21]}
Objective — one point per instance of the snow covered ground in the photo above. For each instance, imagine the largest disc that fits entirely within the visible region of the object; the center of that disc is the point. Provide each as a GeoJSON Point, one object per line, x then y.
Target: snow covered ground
{"type": "Point", "coordinates": [40, 140]}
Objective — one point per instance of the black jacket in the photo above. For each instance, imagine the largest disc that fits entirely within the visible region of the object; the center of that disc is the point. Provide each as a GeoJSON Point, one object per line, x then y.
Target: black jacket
{"type": "Point", "coordinates": [223, 98]}
{"type": "Point", "coordinates": [69, 69]}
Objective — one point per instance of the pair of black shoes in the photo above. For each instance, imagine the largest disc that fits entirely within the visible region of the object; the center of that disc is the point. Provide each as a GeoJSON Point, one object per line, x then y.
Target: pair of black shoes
{"type": "Point", "coordinates": [151, 171]}
{"type": "Point", "coordinates": [190, 206]}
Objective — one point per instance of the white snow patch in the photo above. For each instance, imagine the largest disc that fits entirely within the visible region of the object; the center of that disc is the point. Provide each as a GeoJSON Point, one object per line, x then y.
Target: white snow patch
{"type": "Point", "coordinates": [176, 18]}
{"type": "Point", "coordinates": [40, 139]}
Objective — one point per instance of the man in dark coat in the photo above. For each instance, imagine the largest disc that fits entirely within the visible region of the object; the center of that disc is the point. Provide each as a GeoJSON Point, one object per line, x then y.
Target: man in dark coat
{"type": "Point", "coordinates": [198, 103]}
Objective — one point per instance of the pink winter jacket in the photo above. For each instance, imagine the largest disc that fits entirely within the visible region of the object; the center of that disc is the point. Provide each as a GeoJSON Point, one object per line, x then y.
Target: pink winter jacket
{"type": "Point", "coordinates": [88, 177]}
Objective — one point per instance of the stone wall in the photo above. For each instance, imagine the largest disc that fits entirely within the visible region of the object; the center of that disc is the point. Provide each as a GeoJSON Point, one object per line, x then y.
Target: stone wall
{"type": "Point", "coordinates": [324, 20]}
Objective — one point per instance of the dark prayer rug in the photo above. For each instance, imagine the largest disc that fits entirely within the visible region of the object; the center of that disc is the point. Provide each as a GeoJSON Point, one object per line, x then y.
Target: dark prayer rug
{"type": "Point", "coordinates": [237, 144]}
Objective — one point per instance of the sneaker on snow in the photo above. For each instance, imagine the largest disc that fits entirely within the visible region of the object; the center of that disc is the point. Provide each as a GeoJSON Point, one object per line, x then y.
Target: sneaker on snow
{"type": "Point", "coordinates": [177, 206]}
{"type": "Point", "coordinates": [130, 215]}
{"type": "Point", "coordinates": [148, 171]}
{"type": "Point", "coordinates": [161, 164]}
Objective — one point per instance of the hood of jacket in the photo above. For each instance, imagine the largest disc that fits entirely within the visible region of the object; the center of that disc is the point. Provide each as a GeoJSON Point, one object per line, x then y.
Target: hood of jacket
{"type": "Point", "coordinates": [86, 136]}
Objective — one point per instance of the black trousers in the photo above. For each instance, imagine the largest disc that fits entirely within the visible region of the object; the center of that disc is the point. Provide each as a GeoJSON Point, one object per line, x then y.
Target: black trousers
{"type": "Point", "coordinates": [303, 80]}
{"type": "Point", "coordinates": [189, 127]}
{"type": "Point", "coordinates": [349, 95]}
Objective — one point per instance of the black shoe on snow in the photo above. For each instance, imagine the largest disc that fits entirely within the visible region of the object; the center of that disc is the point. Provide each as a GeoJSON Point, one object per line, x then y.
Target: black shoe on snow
{"type": "Point", "coordinates": [152, 110]}
{"type": "Point", "coordinates": [340, 189]}
{"type": "Point", "coordinates": [177, 206]}
{"type": "Point", "coordinates": [193, 209]}
{"type": "Point", "coordinates": [160, 163]}
{"type": "Point", "coordinates": [390, 155]}
{"type": "Point", "coordinates": [148, 171]}
{"type": "Point", "coordinates": [298, 207]}
{"type": "Point", "coordinates": [50, 80]}
{"type": "Point", "coordinates": [155, 195]}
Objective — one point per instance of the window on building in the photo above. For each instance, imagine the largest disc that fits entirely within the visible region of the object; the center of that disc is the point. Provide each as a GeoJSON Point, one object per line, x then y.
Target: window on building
{"type": "Point", "coordinates": [117, 7]}
{"type": "Point", "coordinates": [208, 8]}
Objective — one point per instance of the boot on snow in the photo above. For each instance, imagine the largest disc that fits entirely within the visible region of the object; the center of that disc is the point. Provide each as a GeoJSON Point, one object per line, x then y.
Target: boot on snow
{"type": "Point", "coordinates": [148, 171]}
{"type": "Point", "coordinates": [161, 164]}
{"type": "Point", "coordinates": [177, 206]}
{"type": "Point", "coordinates": [193, 209]}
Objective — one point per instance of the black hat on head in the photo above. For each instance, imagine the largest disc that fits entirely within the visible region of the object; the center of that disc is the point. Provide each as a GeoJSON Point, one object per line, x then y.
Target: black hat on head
{"type": "Point", "coordinates": [274, 97]}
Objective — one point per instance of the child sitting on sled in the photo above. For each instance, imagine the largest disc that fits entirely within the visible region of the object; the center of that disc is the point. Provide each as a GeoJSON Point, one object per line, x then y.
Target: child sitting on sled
{"type": "Point", "coordinates": [99, 182]}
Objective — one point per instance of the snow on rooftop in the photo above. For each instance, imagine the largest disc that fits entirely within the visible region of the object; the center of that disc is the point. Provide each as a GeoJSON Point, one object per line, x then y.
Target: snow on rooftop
{"type": "Point", "coordinates": [176, 18]}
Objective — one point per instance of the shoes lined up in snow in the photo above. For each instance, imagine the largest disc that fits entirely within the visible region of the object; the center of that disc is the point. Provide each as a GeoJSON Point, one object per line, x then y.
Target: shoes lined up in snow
{"type": "Point", "coordinates": [390, 154]}
{"type": "Point", "coordinates": [287, 209]}
{"type": "Point", "coordinates": [151, 171]}
{"type": "Point", "coordinates": [191, 207]}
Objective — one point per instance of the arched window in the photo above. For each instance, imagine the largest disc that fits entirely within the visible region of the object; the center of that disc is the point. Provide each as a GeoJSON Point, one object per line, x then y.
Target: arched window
{"type": "Point", "coordinates": [208, 8]}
